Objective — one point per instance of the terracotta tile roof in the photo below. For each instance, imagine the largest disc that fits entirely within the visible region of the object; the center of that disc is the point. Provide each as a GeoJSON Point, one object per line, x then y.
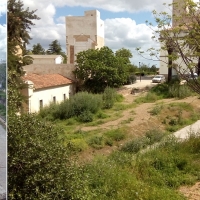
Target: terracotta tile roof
{"type": "Point", "coordinates": [47, 80]}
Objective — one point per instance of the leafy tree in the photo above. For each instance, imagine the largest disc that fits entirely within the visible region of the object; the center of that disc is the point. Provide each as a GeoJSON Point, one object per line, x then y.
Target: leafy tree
{"type": "Point", "coordinates": [124, 53]}
{"type": "Point", "coordinates": [38, 164]}
{"type": "Point", "coordinates": [180, 38]}
{"type": "Point", "coordinates": [19, 22]}
{"type": "Point", "coordinates": [38, 49]}
{"type": "Point", "coordinates": [100, 68]}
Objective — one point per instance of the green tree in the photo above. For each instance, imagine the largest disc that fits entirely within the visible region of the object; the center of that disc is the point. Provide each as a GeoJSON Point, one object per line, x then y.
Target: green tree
{"type": "Point", "coordinates": [124, 53]}
{"type": "Point", "coordinates": [38, 49]}
{"type": "Point", "coordinates": [54, 48]}
{"type": "Point", "coordinates": [19, 23]}
{"type": "Point", "coordinates": [100, 68]}
{"type": "Point", "coordinates": [38, 164]}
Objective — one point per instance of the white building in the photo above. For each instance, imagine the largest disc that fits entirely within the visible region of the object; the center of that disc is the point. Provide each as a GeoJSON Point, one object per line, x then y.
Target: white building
{"type": "Point", "coordinates": [179, 16]}
{"type": "Point", "coordinates": [47, 59]}
{"type": "Point", "coordinates": [82, 33]}
{"type": "Point", "coordinates": [46, 88]}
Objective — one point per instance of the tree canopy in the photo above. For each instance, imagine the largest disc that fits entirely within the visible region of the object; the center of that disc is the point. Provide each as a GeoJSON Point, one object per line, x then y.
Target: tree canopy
{"type": "Point", "coordinates": [99, 68]}
{"type": "Point", "coordinates": [54, 48]}
{"type": "Point", "coordinates": [38, 49]}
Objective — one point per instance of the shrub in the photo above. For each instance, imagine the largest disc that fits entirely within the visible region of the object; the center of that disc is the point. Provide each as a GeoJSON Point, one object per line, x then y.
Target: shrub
{"type": "Point", "coordinates": [156, 110]}
{"type": "Point", "coordinates": [96, 142]}
{"type": "Point", "coordinates": [116, 134]}
{"type": "Point", "coordinates": [86, 116]}
{"type": "Point", "coordinates": [135, 145]}
{"type": "Point", "coordinates": [82, 104]}
{"type": "Point", "coordinates": [77, 145]}
{"type": "Point", "coordinates": [154, 135]}
{"type": "Point", "coordinates": [38, 163]}
{"type": "Point", "coordinates": [179, 91]}
{"type": "Point", "coordinates": [109, 97]}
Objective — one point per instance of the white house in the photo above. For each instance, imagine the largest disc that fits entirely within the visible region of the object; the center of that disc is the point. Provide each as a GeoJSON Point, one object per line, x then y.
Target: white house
{"type": "Point", "coordinates": [47, 59]}
{"type": "Point", "coordinates": [46, 88]}
{"type": "Point", "coordinates": [83, 32]}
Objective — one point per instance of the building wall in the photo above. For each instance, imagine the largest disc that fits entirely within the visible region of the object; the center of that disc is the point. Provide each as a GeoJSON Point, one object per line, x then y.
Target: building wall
{"type": "Point", "coordinates": [63, 69]}
{"type": "Point", "coordinates": [57, 60]}
{"type": "Point", "coordinates": [83, 32]}
{"type": "Point", "coordinates": [46, 96]}
{"type": "Point", "coordinates": [181, 66]}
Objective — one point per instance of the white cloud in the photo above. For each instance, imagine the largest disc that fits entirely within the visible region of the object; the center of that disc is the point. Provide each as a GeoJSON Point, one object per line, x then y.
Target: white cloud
{"type": "Point", "coordinates": [112, 5]}
{"type": "Point", "coordinates": [3, 42]}
{"type": "Point", "coordinates": [125, 33]}
{"type": "Point", "coordinates": [3, 7]}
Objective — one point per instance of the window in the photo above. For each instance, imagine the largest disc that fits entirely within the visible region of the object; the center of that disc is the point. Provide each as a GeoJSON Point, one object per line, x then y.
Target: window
{"type": "Point", "coordinates": [54, 99]}
{"type": "Point", "coordinates": [41, 104]}
{"type": "Point", "coordinates": [64, 96]}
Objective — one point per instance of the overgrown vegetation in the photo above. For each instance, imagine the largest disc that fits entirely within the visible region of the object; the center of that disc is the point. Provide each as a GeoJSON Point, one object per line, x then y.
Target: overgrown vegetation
{"type": "Point", "coordinates": [83, 106]}
{"type": "Point", "coordinates": [165, 90]}
{"type": "Point", "coordinates": [156, 174]}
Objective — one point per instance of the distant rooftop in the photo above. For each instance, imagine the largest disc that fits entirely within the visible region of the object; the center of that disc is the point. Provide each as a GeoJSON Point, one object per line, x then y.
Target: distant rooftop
{"type": "Point", "coordinates": [47, 80]}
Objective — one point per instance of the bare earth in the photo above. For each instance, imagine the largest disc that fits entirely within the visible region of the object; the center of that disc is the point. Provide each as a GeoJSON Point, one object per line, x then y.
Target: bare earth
{"type": "Point", "coordinates": [142, 121]}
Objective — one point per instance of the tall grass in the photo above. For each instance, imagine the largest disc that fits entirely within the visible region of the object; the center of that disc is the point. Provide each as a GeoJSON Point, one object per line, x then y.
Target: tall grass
{"type": "Point", "coordinates": [155, 174]}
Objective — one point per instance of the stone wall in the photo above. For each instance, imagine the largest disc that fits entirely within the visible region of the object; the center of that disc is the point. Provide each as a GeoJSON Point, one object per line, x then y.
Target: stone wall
{"type": "Point", "coordinates": [63, 69]}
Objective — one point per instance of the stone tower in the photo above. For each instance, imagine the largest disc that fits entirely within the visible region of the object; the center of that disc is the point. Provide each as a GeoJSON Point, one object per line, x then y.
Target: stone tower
{"type": "Point", "coordinates": [83, 32]}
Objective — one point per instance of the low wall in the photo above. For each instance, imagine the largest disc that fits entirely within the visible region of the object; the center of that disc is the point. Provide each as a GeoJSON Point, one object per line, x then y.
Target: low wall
{"type": "Point", "coordinates": [63, 69]}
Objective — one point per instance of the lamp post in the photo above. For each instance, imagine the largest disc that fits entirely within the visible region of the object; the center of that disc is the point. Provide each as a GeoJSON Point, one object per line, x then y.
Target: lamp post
{"type": "Point", "coordinates": [140, 71]}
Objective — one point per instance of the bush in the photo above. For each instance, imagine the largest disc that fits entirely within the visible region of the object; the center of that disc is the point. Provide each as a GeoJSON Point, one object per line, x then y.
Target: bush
{"type": "Point", "coordinates": [116, 135]}
{"type": "Point", "coordinates": [80, 104]}
{"type": "Point", "coordinates": [132, 79]}
{"type": "Point", "coordinates": [135, 145]}
{"type": "Point", "coordinates": [109, 97]}
{"type": "Point", "coordinates": [77, 145]}
{"type": "Point", "coordinates": [86, 116]}
{"type": "Point", "coordinates": [38, 164]}
{"type": "Point", "coordinates": [154, 135]}
{"type": "Point", "coordinates": [96, 142]}
{"type": "Point", "coordinates": [179, 91]}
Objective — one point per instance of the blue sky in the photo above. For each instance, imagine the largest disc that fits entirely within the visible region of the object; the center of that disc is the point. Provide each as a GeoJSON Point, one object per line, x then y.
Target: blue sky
{"type": "Point", "coordinates": [3, 19]}
{"type": "Point", "coordinates": [140, 17]}
{"type": "Point", "coordinates": [124, 22]}
{"type": "Point", "coordinates": [3, 30]}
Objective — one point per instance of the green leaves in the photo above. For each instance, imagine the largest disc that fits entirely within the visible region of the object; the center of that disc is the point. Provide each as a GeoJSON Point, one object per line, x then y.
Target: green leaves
{"type": "Point", "coordinates": [100, 68]}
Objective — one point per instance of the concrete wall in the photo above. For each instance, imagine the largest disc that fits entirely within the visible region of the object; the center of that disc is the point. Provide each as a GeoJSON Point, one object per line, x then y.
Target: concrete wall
{"type": "Point", "coordinates": [82, 33]}
{"type": "Point", "coordinates": [46, 96]}
{"type": "Point", "coordinates": [63, 69]}
{"type": "Point", "coordinates": [57, 60]}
